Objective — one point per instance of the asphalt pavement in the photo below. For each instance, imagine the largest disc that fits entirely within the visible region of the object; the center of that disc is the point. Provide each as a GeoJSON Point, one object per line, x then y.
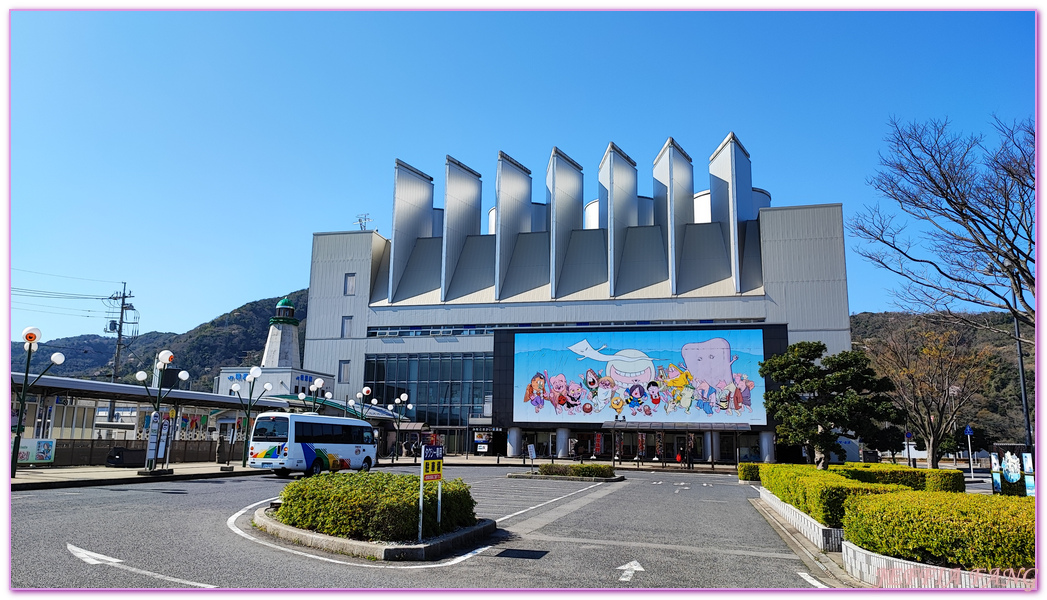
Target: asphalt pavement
{"type": "Point", "coordinates": [37, 477]}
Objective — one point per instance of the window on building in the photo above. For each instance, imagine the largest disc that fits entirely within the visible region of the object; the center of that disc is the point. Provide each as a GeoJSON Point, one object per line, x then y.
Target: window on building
{"type": "Point", "coordinates": [343, 371]}
{"type": "Point", "coordinates": [350, 284]}
{"type": "Point", "coordinates": [347, 327]}
{"type": "Point", "coordinates": [436, 383]}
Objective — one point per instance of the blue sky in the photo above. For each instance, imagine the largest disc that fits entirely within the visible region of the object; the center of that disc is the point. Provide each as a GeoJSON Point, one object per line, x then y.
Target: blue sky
{"type": "Point", "coordinates": [193, 154]}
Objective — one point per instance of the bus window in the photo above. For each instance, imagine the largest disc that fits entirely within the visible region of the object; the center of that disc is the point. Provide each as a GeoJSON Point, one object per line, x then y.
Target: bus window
{"type": "Point", "coordinates": [271, 429]}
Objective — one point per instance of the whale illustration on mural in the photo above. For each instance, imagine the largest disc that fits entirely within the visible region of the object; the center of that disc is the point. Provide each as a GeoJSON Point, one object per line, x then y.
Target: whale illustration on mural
{"type": "Point", "coordinates": [627, 367]}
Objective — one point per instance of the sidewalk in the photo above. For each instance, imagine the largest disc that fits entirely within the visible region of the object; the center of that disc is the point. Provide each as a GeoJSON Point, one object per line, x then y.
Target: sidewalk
{"type": "Point", "coordinates": [42, 478]}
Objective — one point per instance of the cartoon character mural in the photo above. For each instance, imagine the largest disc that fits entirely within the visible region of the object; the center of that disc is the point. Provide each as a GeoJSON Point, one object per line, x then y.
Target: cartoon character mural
{"type": "Point", "coordinates": [558, 392]}
{"type": "Point", "coordinates": [627, 367]}
{"type": "Point", "coordinates": [535, 393]}
{"type": "Point", "coordinates": [575, 395]}
{"type": "Point", "coordinates": [604, 393]}
{"type": "Point", "coordinates": [703, 372]}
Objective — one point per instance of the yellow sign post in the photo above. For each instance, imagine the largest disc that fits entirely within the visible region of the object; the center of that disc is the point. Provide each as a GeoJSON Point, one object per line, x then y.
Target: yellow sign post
{"type": "Point", "coordinates": [432, 470]}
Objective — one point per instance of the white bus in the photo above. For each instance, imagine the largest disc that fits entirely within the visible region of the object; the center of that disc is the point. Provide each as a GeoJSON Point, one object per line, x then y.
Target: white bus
{"type": "Point", "coordinates": [308, 442]}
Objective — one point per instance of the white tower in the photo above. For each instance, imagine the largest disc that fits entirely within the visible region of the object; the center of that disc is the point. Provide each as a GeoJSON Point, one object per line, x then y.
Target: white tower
{"type": "Point", "coordinates": [281, 349]}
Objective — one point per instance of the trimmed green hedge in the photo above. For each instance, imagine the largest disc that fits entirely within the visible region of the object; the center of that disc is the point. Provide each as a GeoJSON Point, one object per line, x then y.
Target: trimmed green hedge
{"type": "Point", "coordinates": [748, 472]}
{"type": "Point", "coordinates": [931, 480]}
{"type": "Point", "coordinates": [577, 470]}
{"type": "Point", "coordinates": [820, 494]}
{"type": "Point", "coordinates": [374, 506]}
{"type": "Point", "coordinates": [970, 531]}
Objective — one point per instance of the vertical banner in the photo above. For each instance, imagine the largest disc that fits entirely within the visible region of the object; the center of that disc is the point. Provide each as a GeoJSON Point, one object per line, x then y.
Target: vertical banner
{"type": "Point", "coordinates": [658, 446]}
{"type": "Point", "coordinates": [641, 443]}
{"type": "Point", "coordinates": [1030, 482]}
{"type": "Point", "coordinates": [996, 485]}
{"type": "Point", "coordinates": [598, 444]}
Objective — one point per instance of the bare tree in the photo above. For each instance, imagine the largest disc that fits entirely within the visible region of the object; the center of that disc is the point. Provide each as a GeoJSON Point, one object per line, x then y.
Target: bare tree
{"type": "Point", "coordinates": [936, 374]}
{"type": "Point", "coordinates": [974, 243]}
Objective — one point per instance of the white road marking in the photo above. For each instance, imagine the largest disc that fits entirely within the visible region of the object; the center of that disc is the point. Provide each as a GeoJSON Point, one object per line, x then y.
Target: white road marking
{"type": "Point", "coordinates": [628, 570]}
{"type": "Point", "coordinates": [656, 483]}
{"type": "Point", "coordinates": [811, 580]}
{"type": "Point", "coordinates": [519, 512]}
{"type": "Point", "coordinates": [231, 523]}
{"type": "Point", "coordinates": [93, 558]}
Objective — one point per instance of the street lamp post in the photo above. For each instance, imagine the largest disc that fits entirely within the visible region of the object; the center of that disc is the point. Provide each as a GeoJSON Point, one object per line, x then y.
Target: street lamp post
{"type": "Point", "coordinates": [1021, 384]}
{"type": "Point", "coordinates": [314, 391]}
{"type": "Point", "coordinates": [614, 439]}
{"type": "Point", "coordinates": [163, 359]}
{"type": "Point", "coordinates": [252, 376]}
{"type": "Point", "coordinates": [398, 409]}
{"type": "Point", "coordinates": [31, 337]}
{"type": "Point", "coordinates": [360, 398]}
{"type": "Point", "coordinates": [1014, 274]}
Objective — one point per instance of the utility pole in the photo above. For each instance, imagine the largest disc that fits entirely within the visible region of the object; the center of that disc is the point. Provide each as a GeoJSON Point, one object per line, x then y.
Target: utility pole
{"type": "Point", "coordinates": [119, 332]}
{"type": "Point", "coordinates": [124, 306]}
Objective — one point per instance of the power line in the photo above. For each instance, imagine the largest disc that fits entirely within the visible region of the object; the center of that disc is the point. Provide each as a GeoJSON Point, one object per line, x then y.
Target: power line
{"type": "Point", "coordinates": [60, 307]}
{"type": "Point", "coordinates": [64, 276]}
{"type": "Point", "coordinates": [26, 292]}
{"type": "Point", "coordinates": [54, 313]}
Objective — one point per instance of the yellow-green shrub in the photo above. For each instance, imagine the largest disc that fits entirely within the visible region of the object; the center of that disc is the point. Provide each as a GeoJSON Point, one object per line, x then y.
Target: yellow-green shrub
{"type": "Point", "coordinates": [592, 470]}
{"type": "Point", "coordinates": [940, 528]}
{"type": "Point", "coordinates": [748, 472]}
{"type": "Point", "coordinates": [820, 494]}
{"type": "Point", "coordinates": [931, 480]}
{"type": "Point", "coordinates": [374, 506]}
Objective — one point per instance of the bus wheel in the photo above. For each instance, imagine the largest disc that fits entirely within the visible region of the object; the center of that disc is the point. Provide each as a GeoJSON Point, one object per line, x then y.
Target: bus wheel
{"type": "Point", "coordinates": [282, 473]}
{"type": "Point", "coordinates": [367, 464]}
{"type": "Point", "coordinates": [315, 469]}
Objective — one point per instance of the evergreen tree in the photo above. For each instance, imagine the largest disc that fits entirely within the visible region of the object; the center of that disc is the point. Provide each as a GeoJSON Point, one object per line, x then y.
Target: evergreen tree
{"type": "Point", "coordinates": [817, 403]}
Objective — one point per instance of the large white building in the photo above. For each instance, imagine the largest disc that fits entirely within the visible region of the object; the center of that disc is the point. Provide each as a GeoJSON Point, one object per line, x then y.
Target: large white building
{"type": "Point", "coordinates": [538, 330]}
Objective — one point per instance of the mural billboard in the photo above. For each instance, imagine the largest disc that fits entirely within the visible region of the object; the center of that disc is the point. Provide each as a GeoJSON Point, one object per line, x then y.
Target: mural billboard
{"type": "Point", "coordinates": [694, 376]}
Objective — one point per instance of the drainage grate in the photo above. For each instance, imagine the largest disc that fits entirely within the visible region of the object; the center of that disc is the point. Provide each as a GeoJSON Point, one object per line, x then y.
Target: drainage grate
{"type": "Point", "coordinates": [531, 554]}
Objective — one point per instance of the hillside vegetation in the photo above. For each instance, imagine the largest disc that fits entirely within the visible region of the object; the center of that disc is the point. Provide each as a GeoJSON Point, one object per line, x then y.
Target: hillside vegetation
{"type": "Point", "coordinates": [234, 339]}
{"type": "Point", "coordinates": [237, 339]}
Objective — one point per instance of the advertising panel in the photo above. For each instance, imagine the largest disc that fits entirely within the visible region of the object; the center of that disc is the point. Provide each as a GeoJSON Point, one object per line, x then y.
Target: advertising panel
{"type": "Point", "coordinates": [36, 451]}
{"type": "Point", "coordinates": [658, 376]}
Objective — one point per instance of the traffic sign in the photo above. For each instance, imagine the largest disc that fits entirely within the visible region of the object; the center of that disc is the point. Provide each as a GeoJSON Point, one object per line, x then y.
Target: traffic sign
{"type": "Point", "coordinates": [432, 463]}
{"type": "Point", "coordinates": [908, 434]}
{"type": "Point", "coordinates": [968, 431]}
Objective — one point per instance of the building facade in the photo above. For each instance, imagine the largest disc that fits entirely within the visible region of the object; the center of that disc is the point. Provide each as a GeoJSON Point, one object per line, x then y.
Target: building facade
{"type": "Point", "coordinates": [626, 325]}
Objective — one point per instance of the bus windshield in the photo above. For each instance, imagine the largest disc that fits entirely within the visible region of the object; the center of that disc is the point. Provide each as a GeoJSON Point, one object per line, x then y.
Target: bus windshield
{"type": "Point", "coordinates": [270, 429]}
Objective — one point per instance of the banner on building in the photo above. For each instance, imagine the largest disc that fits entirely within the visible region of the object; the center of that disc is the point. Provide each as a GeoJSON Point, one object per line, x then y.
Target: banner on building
{"type": "Point", "coordinates": [676, 376]}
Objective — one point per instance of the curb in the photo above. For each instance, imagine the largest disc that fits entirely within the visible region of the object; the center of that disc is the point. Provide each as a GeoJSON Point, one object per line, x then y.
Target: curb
{"type": "Point", "coordinates": [75, 483]}
{"type": "Point", "coordinates": [563, 477]}
{"type": "Point", "coordinates": [819, 562]}
{"type": "Point", "coordinates": [433, 550]}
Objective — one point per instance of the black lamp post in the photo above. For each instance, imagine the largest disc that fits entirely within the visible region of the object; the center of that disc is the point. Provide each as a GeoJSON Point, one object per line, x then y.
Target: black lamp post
{"type": "Point", "coordinates": [248, 406]}
{"type": "Point", "coordinates": [615, 440]}
{"type": "Point", "coordinates": [163, 359]}
{"type": "Point", "coordinates": [31, 336]}
{"type": "Point", "coordinates": [1021, 384]}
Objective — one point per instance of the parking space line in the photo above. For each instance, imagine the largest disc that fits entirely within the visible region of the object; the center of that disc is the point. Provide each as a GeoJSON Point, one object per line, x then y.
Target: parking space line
{"type": "Point", "coordinates": [811, 580]}
{"type": "Point", "coordinates": [652, 545]}
{"type": "Point", "coordinates": [520, 512]}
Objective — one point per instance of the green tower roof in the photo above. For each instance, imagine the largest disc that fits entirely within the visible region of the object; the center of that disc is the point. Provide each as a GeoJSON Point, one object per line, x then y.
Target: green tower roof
{"type": "Point", "coordinates": [285, 303]}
